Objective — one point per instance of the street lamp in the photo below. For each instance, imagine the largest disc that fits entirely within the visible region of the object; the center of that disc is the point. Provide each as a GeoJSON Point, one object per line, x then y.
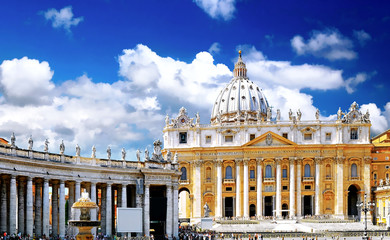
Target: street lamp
{"type": "Point", "coordinates": [365, 207]}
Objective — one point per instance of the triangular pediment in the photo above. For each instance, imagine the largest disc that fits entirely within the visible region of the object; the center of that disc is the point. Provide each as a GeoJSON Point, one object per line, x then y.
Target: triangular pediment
{"type": "Point", "coordinates": [269, 139]}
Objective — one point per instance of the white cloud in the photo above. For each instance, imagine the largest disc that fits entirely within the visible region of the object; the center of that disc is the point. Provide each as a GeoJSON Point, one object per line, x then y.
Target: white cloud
{"type": "Point", "coordinates": [62, 18]}
{"type": "Point", "coordinates": [215, 48]}
{"type": "Point", "coordinates": [361, 36]}
{"type": "Point", "coordinates": [26, 81]}
{"type": "Point", "coordinates": [378, 118]}
{"type": "Point", "coordinates": [329, 44]}
{"type": "Point", "coordinates": [352, 82]}
{"type": "Point", "coordinates": [218, 8]}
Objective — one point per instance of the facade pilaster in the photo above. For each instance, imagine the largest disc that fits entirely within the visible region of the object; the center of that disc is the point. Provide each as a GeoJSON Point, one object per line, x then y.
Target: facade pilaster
{"type": "Point", "coordinates": [175, 210]}
{"type": "Point", "coordinates": [21, 204]}
{"type": "Point", "coordinates": [3, 220]}
{"type": "Point", "coordinates": [318, 185]}
{"type": "Point", "coordinates": [29, 207]}
{"type": "Point", "coordinates": [12, 206]}
{"type": "Point", "coordinates": [38, 208]}
{"type": "Point", "coordinates": [168, 226]}
{"type": "Point", "coordinates": [238, 188]}
{"type": "Point", "coordinates": [54, 210]}
{"type": "Point", "coordinates": [340, 187]}
{"type": "Point", "coordinates": [366, 177]}
{"type": "Point", "coordinates": [259, 193]}
{"type": "Point", "coordinates": [299, 187]}
{"type": "Point", "coordinates": [218, 210]}
{"type": "Point", "coordinates": [292, 187]}
{"type": "Point", "coordinates": [46, 208]}
{"type": "Point", "coordinates": [198, 190]}
{"type": "Point", "coordinates": [109, 209]}
{"type": "Point", "coordinates": [62, 209]}
{"type": "Point", "coordinates": [278, 187]}
{"type": "Point", "coordinates": [146, 211]}
{"type": "Point", "coordinates": [246, 189]}
{"type": "Point", "coordinates": [124, 196]}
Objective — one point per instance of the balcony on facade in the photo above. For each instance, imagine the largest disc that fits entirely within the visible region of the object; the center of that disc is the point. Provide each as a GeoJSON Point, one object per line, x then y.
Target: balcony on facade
{"type": "Point", "coordinates": [183, 182]}
{"type": "Point", "coordinates": [308, 179]}
{"type": "Point", "coordinates": [228, 181]}
{"type": "Point", "coordinates": [354, 178]}
{"type": "Point", "coordinates": [328, 178]}
{"type": "Point", "coordinates": [269, 179]}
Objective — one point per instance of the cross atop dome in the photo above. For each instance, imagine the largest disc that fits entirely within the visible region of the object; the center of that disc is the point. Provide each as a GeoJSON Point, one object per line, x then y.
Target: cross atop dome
{"type": "Point", "coordinates": [239, 68]}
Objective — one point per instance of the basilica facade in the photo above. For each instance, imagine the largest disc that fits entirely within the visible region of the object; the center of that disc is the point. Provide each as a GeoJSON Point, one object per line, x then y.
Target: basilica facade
{"type": "Point", "coordinates": [248, 163]}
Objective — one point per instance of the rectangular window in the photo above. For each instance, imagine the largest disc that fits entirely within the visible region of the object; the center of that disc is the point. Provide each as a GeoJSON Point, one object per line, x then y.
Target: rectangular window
{"type": "Point", "coordinates": [328, 136]}
{"type": "Point", "coordinates": [228, 138]}
{"type": "Point", "coordinates": [252, 174]}
{"type": "Point", "coordinates": [183, 137]}
{"type": "Point", "coordinates": [285, 188]}
{"type": "Point", "coordinates": [208, 139]}
{"type": "Point", "coordinates": [228, 189]}
{"type": "Point", "coordinates": [284, 173]}
{"type": "Point", "coordinates": [354, 134]}
{"type": "Point", "coordinates": [307, 136]}
{"type": "Point", "coordinates": [252, 188]}
{"type": "Point", "coordinates": [252, 136]}
{"type": "Point", "coordinates": [307, 187]}
{"type": "Point", "coordinates": [285, 135]}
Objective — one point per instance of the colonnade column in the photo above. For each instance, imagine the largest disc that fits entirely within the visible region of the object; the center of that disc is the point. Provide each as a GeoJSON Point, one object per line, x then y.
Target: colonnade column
{"type": "Point", "coordinates": [278, 187]}
{"type": "Point", "coordinates": [318, 185]}
{"type": "Point", "coordinates": [138, 204]}
{"type": "Point", "coordinates": [46, 208]}
{"type": "Point", "coordinates": [3, 220]}
{"type": "Point", "coordinates": [109, 209]}
{"type": "Point", "coordinates": [168, 227]}
{"type": "Point", "coordinates": [197, 190]}
{"type": "Point", "coordinates": [259, 193]}
{"type": "Point", "coordinates": [124, 195]}
{"type": "Point", "coordinates": [71, 199]}
{"type": "Point", "coordinates": [218, 210]}
{"type": "Point", "coordinates": [54, 211]}
{"type": "Point", "coordinates": [38, 208]}
{"type": "Point", "coordinates": [238, 188]}
{"type": "Point", "coordinates": [62, 209]}
{"type": "Point", "coordinates": [175, 210]}
{"type": "Point", "coordinates": [340, 188]}
{"type": "Point", "coordinates": [21, 199]}
{"type": "Point", "coordinates": [146, 211]}
{"type": "Point", "coordinates": [292, 187]}
{"type": "Point", "coordinates": [103, 212]}
{"type": "Point", "coordinates": [299, 187]}
{"type": "Point", "coordinates": [12, 206]}
{"type": "Point", "coordinates": [93, 211]}
{"type": "Point", "coordinates": [246, 189]}
{"type": "Point", "coordinates": [29, 206]}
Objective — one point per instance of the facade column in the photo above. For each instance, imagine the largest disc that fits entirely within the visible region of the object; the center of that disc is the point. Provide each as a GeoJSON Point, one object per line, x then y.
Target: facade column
{"type": "Point", "coordinates": [299, 187]}
{"type": "Point", "coordinates": [12, 206]}
{"type": "Point", "coordinates": [197, 190]}
{"type": "Point", "coordinates": [340, 188]}
{"type": "Point", "coordinates": [21, 203]}
{"type": "Point", "coordinates": [292, 187]}
{"type": "Point", "coordinates": [238, 188]}
{"type": "Point", "coordinates": [278, 187]}
{"type": "Point", "coordinates": [246, 190]}
{"type": "Point", "coordinates": [366, 177]}
{"type": "Point", "coordinates": [3, 220]}
{"type": "Point", "coordinates": [54, 211]}
{"type": "Point", "coordinates": [109, 209]}
{"type": "Point", "coordinates": [71, 199]}
{"type": "Point", "coordinates": [29, 206]}
{"type": "Point", "coordinates": [46, 208]}
{"type": "Point", "coordinates": [124, 196]}
{"type": "Point", "coordinates": [168, 221]}
{"type": "Point", "coordinates": [218, 210]}
{"type": "Point", "coordinates": [318, 186]}
{"type": "Point", "coordinates": [259, 193]}
{"type": "Point", "coordinates": [146, 211]}
{"type": "Point", "coordinates": [38, 208]}
{"type": "Point", "coordinates": [62, 209]}
{"type": "Point", "coordinates": [175, 210]}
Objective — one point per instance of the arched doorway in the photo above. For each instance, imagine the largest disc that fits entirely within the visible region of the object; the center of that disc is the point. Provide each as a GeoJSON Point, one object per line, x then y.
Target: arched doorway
{"type": "Point", "coordinates": [184, 201]}
{"type": "Point", "coordinates": [285, 213]}
{"type": "Point", "coordinates": [352, 200]}
{"type": "Point", "coordinates": [252, 210]}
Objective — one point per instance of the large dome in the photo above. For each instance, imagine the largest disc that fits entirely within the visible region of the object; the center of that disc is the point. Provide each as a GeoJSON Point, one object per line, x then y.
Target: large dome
{"type": "Point", "coordinates": [240, 100]}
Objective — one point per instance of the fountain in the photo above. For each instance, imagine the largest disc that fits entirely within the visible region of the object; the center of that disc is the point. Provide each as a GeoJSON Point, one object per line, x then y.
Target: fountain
{"type": "Point", "coordinates": [85, 224]}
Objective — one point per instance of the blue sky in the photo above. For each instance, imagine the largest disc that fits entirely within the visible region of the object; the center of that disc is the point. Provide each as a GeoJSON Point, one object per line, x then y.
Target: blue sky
{"type": "Point", "coordinates": [107, 72]}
